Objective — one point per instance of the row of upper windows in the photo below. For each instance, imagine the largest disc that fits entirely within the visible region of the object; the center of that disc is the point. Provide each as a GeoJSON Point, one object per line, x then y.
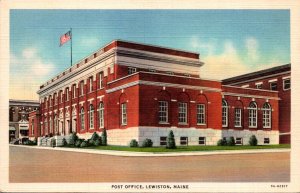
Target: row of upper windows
{"type": "Point", "coordinates": [100, 85]}
{"type": "Point", "coordinates": [252, 116]}
{"type": "Point", "coordinates": [273, 85]}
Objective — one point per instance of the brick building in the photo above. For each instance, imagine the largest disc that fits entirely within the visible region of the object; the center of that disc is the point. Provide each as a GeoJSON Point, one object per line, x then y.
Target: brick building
{"type": "Point", "coordinates": [18, 118]}
{"type": "Point", "coordinates": [275, 79]}
{"type": "Point", "coordinates": [138, 91]}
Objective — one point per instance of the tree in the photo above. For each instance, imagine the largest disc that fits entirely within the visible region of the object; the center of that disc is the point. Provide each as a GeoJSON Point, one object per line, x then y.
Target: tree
{"type": "Point", "coordinates": [104, 137]}
{"type": "Point", "coordinates": [171, 141]}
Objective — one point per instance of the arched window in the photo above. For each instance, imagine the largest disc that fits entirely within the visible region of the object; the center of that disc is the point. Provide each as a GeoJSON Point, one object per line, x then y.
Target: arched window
{"type": "Point", "coordinates": [91, 116]}
{"type": "Point", "coordinates": [101, 115]}
{"type": "Point", "coordinates": [82, 118]}
{"type": "Point", "coordinates": [252, 115]}
{"type": "Point", "coordinates": [224, 113]}
{"type": "Point", "coordinates": [267, 114]}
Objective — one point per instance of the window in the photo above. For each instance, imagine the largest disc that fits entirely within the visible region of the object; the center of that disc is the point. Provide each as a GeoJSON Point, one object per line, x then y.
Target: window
{"type": "Point", "coordinates": [95, 55]}
{"type": "Point", "coordinates": [267, 112]}
{"type": "Point", "coordinates": [239, 141]}
{"type": "Point", "coordinates": [252, 115]}
{"type": "Point", "coordinates": [200, 114]}
{"type": "Point", "coordinates": [86, 60]}
{"type": "Point", "coordinates": [91, 116]}
{"type": "Point", "coordinates": [273, 85]}
{"type": "Point", "coordinates": [171, 73]}
{"type": "Point", "coordinates": [46, 102]}
{"type": "Point", "coordinates": [50, 125]}
{"type": "Point", "coordinates": [74, 91]}
{"type": "Point", "coordinates": [55, 99]}
{"type": "Point", "coordinates": [202, 141]}
{"type": "Point", "coordinates": [101, 80]}
{"type": "Point", "coordinates": [163, 140]}
{"type": "Point", "coordinates": [131, 70]}
{"type": "Point", "coordinates": [82, 118]}
{"type": "Point", "coordinates": [182, 113]}
{"type": "Point", "coordinates": [152, 70]}
{"type": "Point", "coordinates": [123, 114]}
{"type": "Point", "coordinates": [32, 127]}
{"type": "Point", "coordinates": [187, 75]}
{"type": "Point", "coordinates": [61, 96]}
{"type": "Point", "coordinates": [237, 117]}
{"type": "Point", "coordinates": [81, 87]}
{"type": "Point", "coordinates": [266, 140]}
{"type": "Point", "coordinates": [183, 140]}
{"type": "Point", "coordinates": [101, 115]}
{"type": "Point", "coordinates": [46, 126]}
{"type": "Point", "coordinates": [67, 94]}
{"type": "Point", "coordinates": [163, 112]}
{"type": "Point", "coordinates": [50, 101]}
{"type": "Point", "coordinates": [56, 124]}
{"type": "Point", "coordinates": [91, 84]}
{"type": "Point", "coordinates": [224, 114]}
{"type": "Point", "coordinates": [259, 86]}
{"type": "Point", "coordinates": [286, 84]}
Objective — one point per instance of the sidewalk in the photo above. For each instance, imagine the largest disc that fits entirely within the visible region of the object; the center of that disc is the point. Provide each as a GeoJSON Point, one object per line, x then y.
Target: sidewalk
{"type": "Point", "coordinates": [156, 154]}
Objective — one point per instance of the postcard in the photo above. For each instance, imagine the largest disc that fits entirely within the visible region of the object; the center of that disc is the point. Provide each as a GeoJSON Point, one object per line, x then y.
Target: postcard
{"type": "Point", "coordinates": [148, 96]}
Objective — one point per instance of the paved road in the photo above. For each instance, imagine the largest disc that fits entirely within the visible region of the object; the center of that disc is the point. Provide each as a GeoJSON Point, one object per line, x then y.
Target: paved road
{"type": "Point", "coordinates": [40, 165]}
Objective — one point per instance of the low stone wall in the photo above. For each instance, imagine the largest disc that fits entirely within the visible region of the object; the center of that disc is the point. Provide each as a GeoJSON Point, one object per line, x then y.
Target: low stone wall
{"type": "Point", "coordinates": [122, 136]}
{"type": "Point", "coordinates": [212, 136]}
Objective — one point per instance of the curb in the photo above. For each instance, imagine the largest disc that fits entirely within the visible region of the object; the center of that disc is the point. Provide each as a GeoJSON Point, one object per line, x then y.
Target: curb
{"type": "Point", "coordinates": [158, 154]}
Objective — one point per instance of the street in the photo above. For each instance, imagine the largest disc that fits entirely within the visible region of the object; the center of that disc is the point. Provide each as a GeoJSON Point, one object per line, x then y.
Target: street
{"type": "Point", "coordinates": [41, 165]}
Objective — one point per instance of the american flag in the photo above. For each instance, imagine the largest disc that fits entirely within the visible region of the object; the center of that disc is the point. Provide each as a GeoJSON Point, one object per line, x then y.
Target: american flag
{"type": "Point", "coordinates": [64, 38]}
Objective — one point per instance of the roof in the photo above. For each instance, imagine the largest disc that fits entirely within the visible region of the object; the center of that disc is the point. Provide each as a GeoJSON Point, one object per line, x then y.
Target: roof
{"type": "Point", "coordinates": [129, 45]}
{"type": "Point", "coordinates": [16, 102]}
{"type": "Point", "coordinates": [252, 75]}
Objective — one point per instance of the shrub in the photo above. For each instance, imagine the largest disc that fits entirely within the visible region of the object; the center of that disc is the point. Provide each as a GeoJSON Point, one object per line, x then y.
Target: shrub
{"type": "Point", "coordinates": [231, 141]}
{"type": "Point", "coordinates": [147, 143]}
{"type": "Point", "coordinates": [97, 142]}
{"type": "Point", "coordinates": [84, 144]}
{"type": "Point", "coordinates": [53, 142]}
{"type": "Point", "coordinates": [95, 136]}
{"type": "Point", "coordinates": [73, 139]}
{"type": "Point", "coordinates": [78, 143]}
{"type": "Point", "coordinates": [35, 141]}
{"type": "Point", "coordinates": [253, 140]}
{"type": "Point", "coordinates": [171, 141]}
{"type": "Point", "coordinates": [64, 142]}
{"type": "Point", "coordinates": [104, 138]}
{"type": "Point", "coordinates": [222, 142]}
{"type": "Point", "coordinates": [133, 143]}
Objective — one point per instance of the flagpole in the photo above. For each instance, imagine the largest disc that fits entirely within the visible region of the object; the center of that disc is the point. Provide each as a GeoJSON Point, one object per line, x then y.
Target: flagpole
{"type": "Point", "coordinates": [71, 44]}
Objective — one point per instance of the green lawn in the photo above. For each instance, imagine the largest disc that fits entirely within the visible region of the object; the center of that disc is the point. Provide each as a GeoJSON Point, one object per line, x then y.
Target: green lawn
{"type": "Point", "coordinates": [187, 148]}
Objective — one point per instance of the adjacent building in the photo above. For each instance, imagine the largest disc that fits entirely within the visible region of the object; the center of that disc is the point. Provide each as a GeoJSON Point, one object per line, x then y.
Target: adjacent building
{"type": "Point", "coordinates": [139, 91]}
{"type": "Point", "coordinates": [18, 118]}
{"type": "Point", "coordinates": [275, 79]}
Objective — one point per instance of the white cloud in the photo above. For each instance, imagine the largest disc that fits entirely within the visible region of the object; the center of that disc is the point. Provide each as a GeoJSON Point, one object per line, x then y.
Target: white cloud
{"type": "Point", "coordinates": [252, 47]}
{"type": "Point", "coordinates": [27, 72]}
{"type": "Point", "coordinates": [224, 65]}
{"type": "Point", "coordinates": [29, 53]}
{"type": "Point", "coordinates": [204, 47]}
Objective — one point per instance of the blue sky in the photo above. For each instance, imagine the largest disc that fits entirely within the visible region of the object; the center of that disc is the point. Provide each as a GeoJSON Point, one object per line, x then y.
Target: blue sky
{"type": "Point", "coordinates": [230, 42]}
